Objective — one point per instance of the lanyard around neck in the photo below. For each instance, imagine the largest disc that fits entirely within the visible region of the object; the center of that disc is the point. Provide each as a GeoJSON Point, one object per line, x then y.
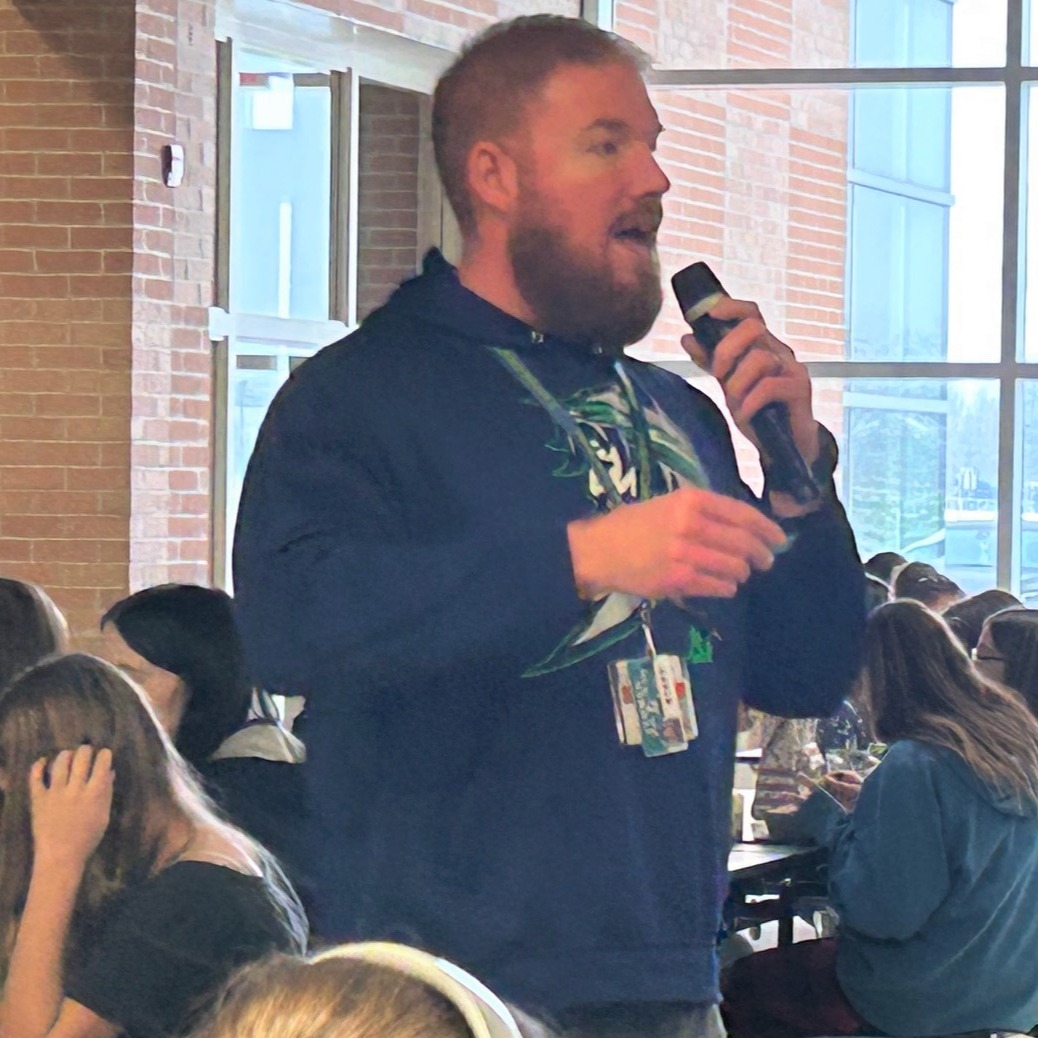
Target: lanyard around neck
{"type": "Point", "coordinates": [515, 366]}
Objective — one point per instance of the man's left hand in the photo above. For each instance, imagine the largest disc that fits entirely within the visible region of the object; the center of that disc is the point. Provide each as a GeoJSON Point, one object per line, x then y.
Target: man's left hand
{"type": "Point", "coordinates": [755, 368]}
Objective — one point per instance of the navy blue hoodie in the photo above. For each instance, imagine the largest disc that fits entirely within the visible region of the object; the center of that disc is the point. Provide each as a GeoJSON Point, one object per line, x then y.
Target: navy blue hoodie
{"type": "Point", "coordinates": [401, 560]}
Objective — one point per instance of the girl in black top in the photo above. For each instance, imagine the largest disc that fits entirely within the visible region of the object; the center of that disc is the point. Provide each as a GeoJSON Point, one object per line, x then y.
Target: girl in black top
{"type": "Point", "coordinates": [125, 901]}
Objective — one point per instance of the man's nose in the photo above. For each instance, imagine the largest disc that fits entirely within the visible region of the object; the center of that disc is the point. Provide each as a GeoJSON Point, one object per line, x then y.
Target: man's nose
{"type": "Point", "coordinates": [651, 178]}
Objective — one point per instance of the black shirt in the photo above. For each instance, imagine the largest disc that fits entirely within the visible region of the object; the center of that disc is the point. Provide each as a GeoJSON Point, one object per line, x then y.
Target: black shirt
{"type": "Point", "coordinates": [164, 948]}
{"type": "Point", "coordinates": [267, 799]}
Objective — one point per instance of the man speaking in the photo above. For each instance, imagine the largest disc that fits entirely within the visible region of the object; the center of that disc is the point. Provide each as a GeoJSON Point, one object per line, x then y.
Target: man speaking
{"type": "Point", "coordinates": [518, 578]}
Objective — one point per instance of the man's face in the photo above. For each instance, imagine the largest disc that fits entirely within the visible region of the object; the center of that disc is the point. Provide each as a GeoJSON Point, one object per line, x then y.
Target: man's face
{"type": "Point", "coordinates": [583, 239]}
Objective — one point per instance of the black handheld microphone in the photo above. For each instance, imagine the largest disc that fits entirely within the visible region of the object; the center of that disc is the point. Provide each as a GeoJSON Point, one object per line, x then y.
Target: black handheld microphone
{"type": "Point", "coordinates": [698, 292]}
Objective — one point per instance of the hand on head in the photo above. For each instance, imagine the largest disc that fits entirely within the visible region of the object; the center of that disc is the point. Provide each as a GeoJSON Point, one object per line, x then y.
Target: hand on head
{"type": "Point", "coordinates": [71, 801]}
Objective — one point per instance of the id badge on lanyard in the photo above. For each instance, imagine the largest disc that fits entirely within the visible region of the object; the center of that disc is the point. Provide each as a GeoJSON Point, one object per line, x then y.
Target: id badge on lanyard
{"type": "Point", "coordinates": [652, 694]}
{"type": "Point", "coordinates": [652, 699]}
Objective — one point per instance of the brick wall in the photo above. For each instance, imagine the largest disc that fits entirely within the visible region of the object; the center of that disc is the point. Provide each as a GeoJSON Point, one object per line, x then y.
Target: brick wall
{"type": "Point", "coordinates": [442, 23]}
{"type": "Point", "coordinates": [105, 276]}
{"type": "Point", "coordinates": [104, 391]}
{"type": "Point", "coordinates": [66, 131]}
{"type": "Point", "coordinates": [170, 455]}
{"type": "Point", "coordinates": [388, 193]}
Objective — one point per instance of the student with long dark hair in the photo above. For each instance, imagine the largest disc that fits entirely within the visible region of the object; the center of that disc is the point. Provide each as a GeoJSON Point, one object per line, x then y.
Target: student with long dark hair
{"type": "Point", "coordinates": [1007, 651]}
{"type": "Point", "coordinates": [125, 901]}
{"type": "Point", "coordinates": [922, 583]}
{"type": "Point", "coordinates": [935, 872]}
{"type": "Point", "coordinates": [882, 565]}
{"type": "Point", "coordinates": [31, 627]}
{"type": "Point", "coordinates": [180, 643]}
{"type": "Point", "coordinates": [967, 617]}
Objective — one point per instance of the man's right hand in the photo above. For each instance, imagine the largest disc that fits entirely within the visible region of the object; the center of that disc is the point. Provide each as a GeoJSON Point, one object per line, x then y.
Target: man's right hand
{"type": "Point", "coordinates": [688, 543]}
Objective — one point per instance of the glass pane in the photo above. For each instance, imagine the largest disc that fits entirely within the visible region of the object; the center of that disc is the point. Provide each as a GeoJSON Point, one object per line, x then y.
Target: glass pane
{"type": "Point", "coordinates": [255, 378]}
{"type": "Point", "coordinates": [699, 34]}
{"type": "Point", "coordinates": [904, 134]}
{"type": "Point", "coordinates": [1027, 544]}
{"type": "Point", "coordinates": [919, 469]}
{"type": "Point", "coordinates": [252, 389]}
{"type": "Point", "coordinates": [1029, 346]}
{"type": "Point", "coordinates": [897, 309]}
{"type": "Point", "coordinates": [845, 263]}
{"type": "Point", "coordinates": [1030, 48]}
{"type": "Point", "coordinates": [280, 189]}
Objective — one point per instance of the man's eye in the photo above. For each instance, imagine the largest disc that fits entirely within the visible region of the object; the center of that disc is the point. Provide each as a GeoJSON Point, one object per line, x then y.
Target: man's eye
{"type": "Point", "coordinates": [606, 148]}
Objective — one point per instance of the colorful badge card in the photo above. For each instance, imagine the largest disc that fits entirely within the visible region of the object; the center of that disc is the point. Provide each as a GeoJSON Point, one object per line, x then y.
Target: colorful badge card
{"type": "Point", "coordinates": [625, 713]}
{"type": "Point", "coordinates": [675, 688]}
{"type": "Point", "coordinates": [661, 727]}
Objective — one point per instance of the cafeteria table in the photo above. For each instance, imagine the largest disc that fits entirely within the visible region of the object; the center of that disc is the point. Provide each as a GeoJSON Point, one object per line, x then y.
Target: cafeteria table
{"type": "Point", "coordinates": [776, 874]}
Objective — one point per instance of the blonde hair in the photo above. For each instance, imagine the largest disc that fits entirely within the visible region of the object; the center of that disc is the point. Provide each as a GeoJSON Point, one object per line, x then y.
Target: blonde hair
{"type": "Point", "coordinates": [921, 685]}
{"type": "Point", "coordinates": [352, 991]}
{"type": "Point", "coordinates": [69, 701]}
{"type": "Point", "coordinates": [285, 997]}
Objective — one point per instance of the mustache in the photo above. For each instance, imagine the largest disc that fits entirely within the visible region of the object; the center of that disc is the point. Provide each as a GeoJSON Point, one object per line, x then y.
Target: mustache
{"type": "Point", "coordinates": [645, 217]}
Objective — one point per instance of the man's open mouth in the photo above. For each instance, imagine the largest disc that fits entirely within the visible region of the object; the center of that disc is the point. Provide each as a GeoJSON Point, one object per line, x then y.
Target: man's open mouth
{"type": "Point", "coordinates": [636, 236]}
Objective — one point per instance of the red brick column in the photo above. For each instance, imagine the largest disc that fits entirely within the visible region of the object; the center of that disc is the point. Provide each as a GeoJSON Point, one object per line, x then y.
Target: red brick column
{"type": "Point", "coordinates": [66, 133]}
{"type": "Point", "coordinates": [104, 280]}
{"type": "Point", "coordinates": [170, 453]}
{"type": "Point", "coordinates": [387, 193]}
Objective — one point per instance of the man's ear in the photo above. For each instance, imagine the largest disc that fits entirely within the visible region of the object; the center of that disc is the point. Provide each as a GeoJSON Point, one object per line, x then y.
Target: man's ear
{"type": "Point", "coordinates": [493, 177]}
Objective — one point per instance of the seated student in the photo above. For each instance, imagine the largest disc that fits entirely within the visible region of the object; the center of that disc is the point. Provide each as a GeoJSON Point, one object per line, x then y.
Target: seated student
{"type": "Point", "coordinates": [363, 991]}
{"type": "Point", "coordinates": [921, 582]}
{"type": "Point", "coordinates": [882, 565]}
{"type": "Point", "coordinates": [180, 643]}
{"type": "Point", "coordinates": [126, 900]}
{"type": "Point", "coordinates": [876, 592]}
{"type": "Point", "coordinates": [31, 627]}
{"type": "Point", "coordinates": [935, 873]}
{"type": "Point", "coordinates": [796, 747]}
{"type": "Point", "coordinates": [1007, 652]}
{"type": "Point", "coordinates": [967, 617]}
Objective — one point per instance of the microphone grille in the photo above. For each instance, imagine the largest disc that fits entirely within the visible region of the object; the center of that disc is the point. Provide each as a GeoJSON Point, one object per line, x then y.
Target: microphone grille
{"type": "Point", "coordinates": [695, 283]}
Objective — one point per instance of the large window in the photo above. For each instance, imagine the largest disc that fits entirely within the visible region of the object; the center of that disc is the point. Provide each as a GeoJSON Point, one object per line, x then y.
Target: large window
{"type": "Point", "coordinates": [896, 436]}
{"type": "Point", "coordinates": [862, 170]}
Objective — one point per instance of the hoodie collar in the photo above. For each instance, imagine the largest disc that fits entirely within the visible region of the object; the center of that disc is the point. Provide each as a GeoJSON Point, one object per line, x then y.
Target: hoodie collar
{"type": "Point", "coordinates": [438, 297]}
